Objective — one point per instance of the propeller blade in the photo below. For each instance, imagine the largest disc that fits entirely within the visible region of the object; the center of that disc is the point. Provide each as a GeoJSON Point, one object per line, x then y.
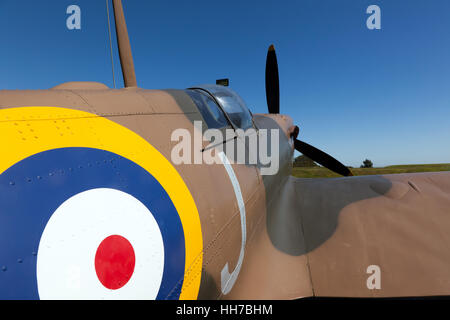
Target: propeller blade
{"type": "Point", "coordinates": [321, 158]}
{"type": "Point", "coordinates": [272, 82]}
{"type": "Point", "coordinates": [273, 104]}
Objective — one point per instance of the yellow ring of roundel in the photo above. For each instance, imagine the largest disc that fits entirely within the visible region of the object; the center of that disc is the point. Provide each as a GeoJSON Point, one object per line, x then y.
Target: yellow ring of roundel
{"type": "Point", "coordinates": [27, 131]}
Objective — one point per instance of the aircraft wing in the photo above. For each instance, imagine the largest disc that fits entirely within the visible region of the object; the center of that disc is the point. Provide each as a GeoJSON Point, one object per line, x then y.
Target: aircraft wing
{"type": "Point", "coordinates": [327, 237]}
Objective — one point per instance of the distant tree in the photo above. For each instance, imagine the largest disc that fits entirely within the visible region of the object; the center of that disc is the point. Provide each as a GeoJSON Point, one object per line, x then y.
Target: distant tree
{"type": "Point", "coordinates": [367, 164]}
{"type": "Point", "coordinates": [304, 161]}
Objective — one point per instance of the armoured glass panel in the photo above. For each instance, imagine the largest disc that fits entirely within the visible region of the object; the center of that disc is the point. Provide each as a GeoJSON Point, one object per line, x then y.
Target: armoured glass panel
{"type": "Point", "coordinates": [210, 111]}
{"type": "Point", "coordinates": [232, 104]}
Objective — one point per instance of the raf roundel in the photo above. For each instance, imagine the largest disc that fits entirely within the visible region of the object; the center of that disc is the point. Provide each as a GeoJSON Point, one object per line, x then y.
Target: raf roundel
{"type": "Point", "coordinates": [97, 215]}
{"type": "Point", "coordinates": [107, 231]}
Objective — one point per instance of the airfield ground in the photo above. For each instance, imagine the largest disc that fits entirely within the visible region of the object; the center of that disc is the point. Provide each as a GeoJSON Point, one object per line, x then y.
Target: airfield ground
{"type": "Point", "coordinates": [320, 172]}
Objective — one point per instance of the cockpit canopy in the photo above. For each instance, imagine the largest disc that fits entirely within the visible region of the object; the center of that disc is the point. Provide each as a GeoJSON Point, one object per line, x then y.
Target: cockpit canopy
{"type": "Point", "coordinates": [214, 100]}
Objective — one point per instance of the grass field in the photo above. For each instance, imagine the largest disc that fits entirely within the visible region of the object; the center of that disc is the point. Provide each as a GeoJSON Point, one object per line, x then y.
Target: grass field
{"type": "Point", "coordinates": [319, 172]}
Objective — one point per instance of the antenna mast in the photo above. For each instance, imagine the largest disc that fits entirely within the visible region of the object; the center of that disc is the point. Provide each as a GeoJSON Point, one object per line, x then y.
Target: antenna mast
{"type": "Point", "coordinates": [110, 44]}
{"type": "Point", "coordinates": [123, 42]}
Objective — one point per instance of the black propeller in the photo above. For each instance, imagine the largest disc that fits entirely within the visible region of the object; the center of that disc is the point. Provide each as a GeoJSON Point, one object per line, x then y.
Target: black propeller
{"type": "Point", "coordinates": [321, 158]}
{"type": "Point", "coordinates": [272, 82]}
{"type": "Point", "coordinates": [273, 103]}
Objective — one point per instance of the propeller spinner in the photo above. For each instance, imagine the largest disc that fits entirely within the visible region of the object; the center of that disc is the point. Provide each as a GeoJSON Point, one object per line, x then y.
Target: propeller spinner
{"type": "Point", "coordinates": [273, 104]}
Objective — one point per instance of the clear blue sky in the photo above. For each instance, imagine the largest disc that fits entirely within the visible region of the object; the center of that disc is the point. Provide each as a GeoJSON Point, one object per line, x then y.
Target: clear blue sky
{"type": "Point", "coordinates": [355, 93]}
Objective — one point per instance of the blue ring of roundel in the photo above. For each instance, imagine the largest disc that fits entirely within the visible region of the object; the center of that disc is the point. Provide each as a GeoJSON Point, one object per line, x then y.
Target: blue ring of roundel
{"type": "Point", "coordinates": [32, 189]}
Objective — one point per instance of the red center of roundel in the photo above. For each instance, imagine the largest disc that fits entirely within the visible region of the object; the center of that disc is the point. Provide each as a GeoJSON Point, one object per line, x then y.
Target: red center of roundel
{"type": "Point", "coordinates": [114, 262]}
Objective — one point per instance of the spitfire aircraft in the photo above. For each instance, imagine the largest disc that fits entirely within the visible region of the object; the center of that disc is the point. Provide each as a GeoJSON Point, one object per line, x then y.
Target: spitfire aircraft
{"type": "Point", "coordinates": [93, 207]}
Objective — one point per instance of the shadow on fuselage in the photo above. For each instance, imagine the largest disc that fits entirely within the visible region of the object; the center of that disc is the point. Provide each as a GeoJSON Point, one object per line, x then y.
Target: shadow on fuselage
{"type": "Point", "coordinates": [303, 213]}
